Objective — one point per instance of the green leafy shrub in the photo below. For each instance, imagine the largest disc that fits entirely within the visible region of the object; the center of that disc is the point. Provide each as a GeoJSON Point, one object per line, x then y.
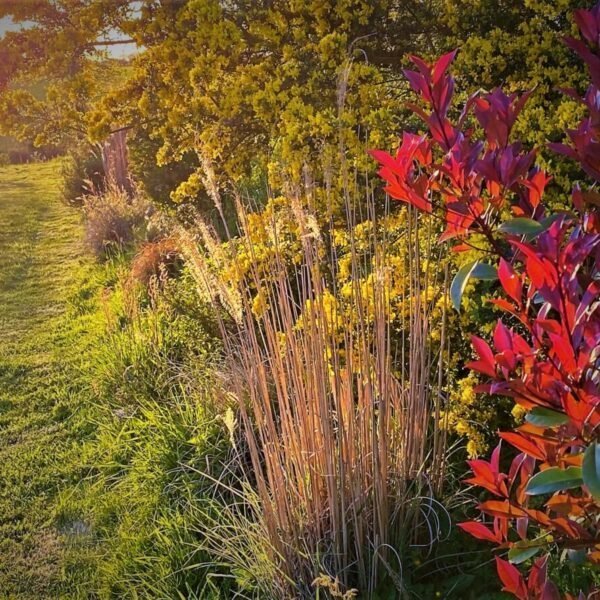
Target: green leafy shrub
{"type": "Point", "coordinates": [82, 175]}
{"type": "Point", "coordinates": [158, 181]}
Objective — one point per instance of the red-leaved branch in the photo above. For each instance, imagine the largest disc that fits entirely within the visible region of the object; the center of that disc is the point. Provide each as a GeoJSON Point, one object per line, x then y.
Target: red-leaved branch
{"type": "Point", "coordinates": [489, 194]}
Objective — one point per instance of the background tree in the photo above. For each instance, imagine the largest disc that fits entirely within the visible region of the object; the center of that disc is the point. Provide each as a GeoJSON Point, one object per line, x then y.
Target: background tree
{"type": "Point", "coordinates": [63, 45]}
{"type": "Point", "coordinates": [224, 87]}
{"type": "Point", "coordinates": [518, 45]}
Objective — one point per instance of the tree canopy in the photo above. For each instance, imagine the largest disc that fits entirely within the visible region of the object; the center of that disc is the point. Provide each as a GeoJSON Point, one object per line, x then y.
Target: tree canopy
{"type": "Point", "coordinates": [225, 87]}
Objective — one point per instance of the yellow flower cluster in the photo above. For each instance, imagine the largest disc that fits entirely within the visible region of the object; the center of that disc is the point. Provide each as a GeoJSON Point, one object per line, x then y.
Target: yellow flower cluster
{"type": "Point", "coordinates": [465, 416]}
{"type": "Point", "coordinates": [390, 266]}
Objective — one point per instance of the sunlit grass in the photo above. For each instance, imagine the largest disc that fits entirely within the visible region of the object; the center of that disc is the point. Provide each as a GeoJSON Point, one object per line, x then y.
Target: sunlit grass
{"type": "Point", "coordinates": [43, 391]}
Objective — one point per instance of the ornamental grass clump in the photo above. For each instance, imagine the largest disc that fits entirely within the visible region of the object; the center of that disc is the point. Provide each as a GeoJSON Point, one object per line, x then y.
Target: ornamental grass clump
{"type": "Point", "coordinates": [339, 413]}
{"type": "Point", "coordinates": [114, 219]}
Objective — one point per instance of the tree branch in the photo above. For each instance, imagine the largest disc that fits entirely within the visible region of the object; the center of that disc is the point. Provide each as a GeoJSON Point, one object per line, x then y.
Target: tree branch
{"type": "Point", "coordinates": [112, 42]}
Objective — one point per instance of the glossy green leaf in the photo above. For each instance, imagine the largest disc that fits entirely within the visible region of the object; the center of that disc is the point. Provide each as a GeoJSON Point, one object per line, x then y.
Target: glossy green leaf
{"type": "Point", "coordinates": [546, 222]}
{"type": "Point", "coordinates": [554, 479]}
{"type": "Point", "coordinates": [591, 469]}
{"type": "Point", "coordinates": [520, 552]}
{"type": "Point", "coordinates": [544, 417]}
{"type": "Point", "coordinates": [484, 272]}
{"type": "Point", "coordinates": [577, 557]}
{"type": "Point", "coordinates": [521, 226]}
{"type": "Point", "coordinates": [457, 287]}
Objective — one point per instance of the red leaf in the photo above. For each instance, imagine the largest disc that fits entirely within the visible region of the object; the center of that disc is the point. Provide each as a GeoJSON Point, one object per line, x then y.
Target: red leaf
{"type": "Point", "coordinates": [523, 444]}
{"type": "Point", "coordinates": [483, 471]}
{"type": "Point", "coordinates": [480, 531]}
{"type": "Point", "coordinates": [536, 185]}
{"type": "Point", "coordinates": [502, 508]}
{"type": "Point", "coordinates": [495, 461]}
{"type": "Point", "coordinates": [568, 527]}
{"type": "Point", "coordinates": [511, 578]}
{"type": "Point", "coordinates": [504, 305]}
{"type": "Point", "coordinates": [550, 592]}
{"type": "Point", "coordinates": [510, 281]}
{"type": "Point", "coordinates": [588, 25]}
{"type": "Point", "coordinates": [564, 505]}
{"type": "Point", "coordinates": [522, 527]}
{"type": "Point", "coordinates": [537, 576]}
{"type": "Point", "coordinates": [441, 66]}
{"type": "Point", "coordinates": [539, 517]}
{"type": "Point", "coordinates": [562, 349]}
{"type": "Point", "coordinates": [419, 84]}
{"type": "Point", "coordinates": [423, 67]}
{"type": "Point", "coordinates": [579, 412]}
{"type": "Point", "coordinates": [460, 248]}
{"type": "Point", "coordinates": [384, 158]}
{"type": "Point", "coordinates": [502, 337]}
{"type": "Point", "coordinates": [486, 364]}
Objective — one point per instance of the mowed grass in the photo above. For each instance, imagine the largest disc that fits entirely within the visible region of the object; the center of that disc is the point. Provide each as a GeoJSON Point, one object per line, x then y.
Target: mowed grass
{"type": "Point", "coordinates": [49, 320]}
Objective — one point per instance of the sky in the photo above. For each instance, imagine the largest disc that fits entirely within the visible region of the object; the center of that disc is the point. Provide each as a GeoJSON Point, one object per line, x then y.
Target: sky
{"type": "Point", "coordinates": [6, 24]}
{"type": "Point", "coordinates": [119, 51]}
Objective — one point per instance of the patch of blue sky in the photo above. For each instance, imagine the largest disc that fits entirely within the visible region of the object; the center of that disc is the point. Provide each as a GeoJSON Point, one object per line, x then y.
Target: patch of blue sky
{"type": "Point", "coordinates": [120, 51]}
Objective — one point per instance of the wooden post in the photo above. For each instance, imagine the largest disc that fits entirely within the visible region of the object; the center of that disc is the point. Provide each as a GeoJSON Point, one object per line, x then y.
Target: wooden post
{"type": "Point", "coordinates": [115, 160]}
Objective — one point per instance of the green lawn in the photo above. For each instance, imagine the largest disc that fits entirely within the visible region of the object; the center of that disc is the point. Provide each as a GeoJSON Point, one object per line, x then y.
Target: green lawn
{"type": "Point", "coordinates": [49, 319]}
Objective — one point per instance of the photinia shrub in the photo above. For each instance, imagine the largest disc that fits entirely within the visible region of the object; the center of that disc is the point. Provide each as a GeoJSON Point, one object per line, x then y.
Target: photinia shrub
{"type": "Point", "coordinates": [545, 354]}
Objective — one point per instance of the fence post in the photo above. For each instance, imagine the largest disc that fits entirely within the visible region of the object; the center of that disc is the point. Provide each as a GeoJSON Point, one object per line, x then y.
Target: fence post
{"type": "Point", "coordinates": [115, 160]}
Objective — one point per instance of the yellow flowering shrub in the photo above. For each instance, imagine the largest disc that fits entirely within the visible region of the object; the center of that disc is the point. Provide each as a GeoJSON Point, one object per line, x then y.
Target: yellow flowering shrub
{"type": "Point", "coordinates": [385, 264]}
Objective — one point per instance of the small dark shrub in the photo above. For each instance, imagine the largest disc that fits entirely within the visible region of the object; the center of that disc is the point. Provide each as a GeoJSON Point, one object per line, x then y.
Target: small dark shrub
{"type": "Point", "coordinates": [19, 157]}
{"type": "Point", "coordinates": [83, 174]}
{"type": "Point", "coordinates": [159, 181]}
